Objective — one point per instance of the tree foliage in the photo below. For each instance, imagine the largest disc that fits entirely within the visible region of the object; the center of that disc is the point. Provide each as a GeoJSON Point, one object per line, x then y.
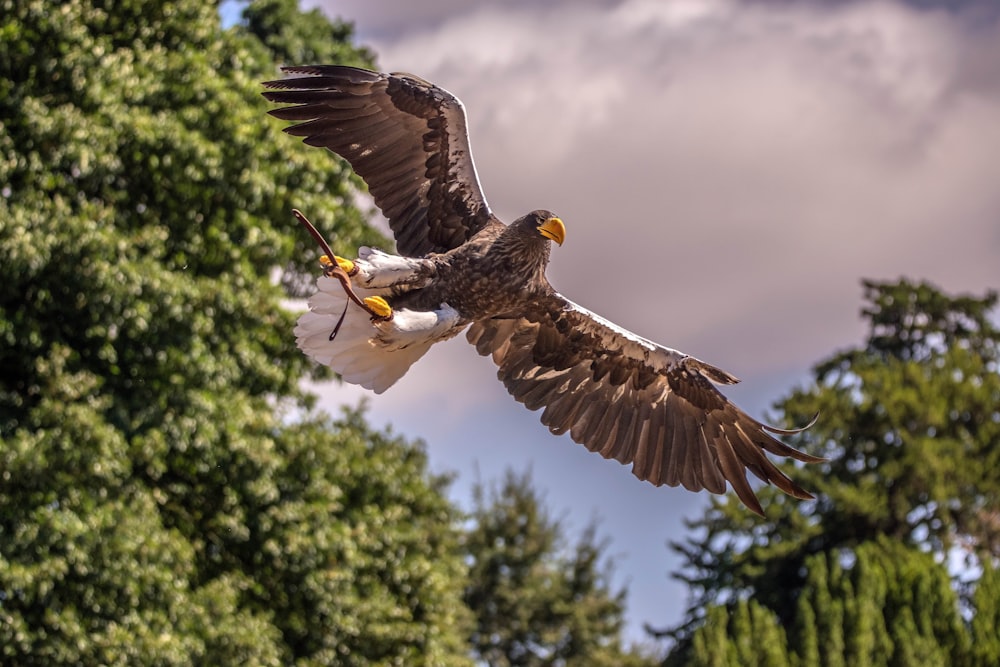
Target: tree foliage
{"type": "Point", "coordinates": [537, 601]}
{"type": "Point", "coordinates": [298, 37]}
{"type": "Point", "coordinates": [891, 605]}
{"type": "Point", "coordinates": [747, 635]}
{"type": "Point", "coordinates": [158, 503]}
{"type": "Point", "coordinates": [910, 424]}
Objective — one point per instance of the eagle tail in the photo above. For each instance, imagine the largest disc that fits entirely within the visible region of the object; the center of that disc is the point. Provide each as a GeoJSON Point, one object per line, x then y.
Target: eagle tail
{"type": "Point", "coordinates": [374, 354]}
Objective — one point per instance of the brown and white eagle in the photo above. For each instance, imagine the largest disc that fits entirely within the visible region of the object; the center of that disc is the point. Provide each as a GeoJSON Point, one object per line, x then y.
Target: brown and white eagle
{"type": "Point", "coordinates": [458, 266]}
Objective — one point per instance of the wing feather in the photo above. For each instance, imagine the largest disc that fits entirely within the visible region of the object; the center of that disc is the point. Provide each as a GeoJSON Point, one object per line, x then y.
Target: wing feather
{"type": "Point", "coordinates": [562, 410]}
{"type": "Point", "coordinates": [632, 400]}
{"type": "Point", "coordinates": [405, 137]}
{"type": "Point", "coordinates": [679, 457]}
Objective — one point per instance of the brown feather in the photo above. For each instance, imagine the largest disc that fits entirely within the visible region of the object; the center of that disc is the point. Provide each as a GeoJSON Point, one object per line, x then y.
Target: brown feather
{"type": "Point", "coordinates": [632, 401]}
{"type": "Point", "coordinates": [617, 394]}
{"type": "Point", "coordinates": [390, 127]}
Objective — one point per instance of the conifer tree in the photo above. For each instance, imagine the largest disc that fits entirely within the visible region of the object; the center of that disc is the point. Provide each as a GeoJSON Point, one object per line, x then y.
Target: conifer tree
{"type": "Point", "coordinates": [891, 606]}
{"type": "Point", "coordinates": [747, 635]}
{"type": "Point", "coordinates": [910, 423]}
{"type": "Point", "coordinates": [537, 600]}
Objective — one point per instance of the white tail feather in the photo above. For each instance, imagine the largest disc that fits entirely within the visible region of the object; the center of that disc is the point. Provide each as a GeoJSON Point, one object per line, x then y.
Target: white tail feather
{"type": "Point", "coordinates": [371, 354]}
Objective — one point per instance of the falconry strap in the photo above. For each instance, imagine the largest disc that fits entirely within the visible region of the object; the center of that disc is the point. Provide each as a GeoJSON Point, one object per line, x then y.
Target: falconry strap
{"type": "Point", "coordinates": [332, 268]}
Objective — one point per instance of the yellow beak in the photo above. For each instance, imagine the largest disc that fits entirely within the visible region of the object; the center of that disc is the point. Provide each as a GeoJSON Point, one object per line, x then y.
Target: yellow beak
{"type": "Point", "coordinates": [553, 229]}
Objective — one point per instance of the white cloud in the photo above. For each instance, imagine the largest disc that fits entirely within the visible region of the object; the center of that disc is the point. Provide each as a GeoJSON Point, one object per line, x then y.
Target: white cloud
{"type": "Point", "coordinates": [752, 159]}
{"type": "Point", "coordinates": [728, 172]}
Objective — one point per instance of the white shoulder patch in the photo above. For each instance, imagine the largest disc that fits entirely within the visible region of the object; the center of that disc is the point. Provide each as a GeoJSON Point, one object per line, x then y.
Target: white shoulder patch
{"type": "Point", "coordinates": [642, 348]}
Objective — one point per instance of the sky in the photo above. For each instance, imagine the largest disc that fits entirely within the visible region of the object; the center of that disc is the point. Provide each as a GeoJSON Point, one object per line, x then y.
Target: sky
{"type": "Point", "coordinates": [728, 172]}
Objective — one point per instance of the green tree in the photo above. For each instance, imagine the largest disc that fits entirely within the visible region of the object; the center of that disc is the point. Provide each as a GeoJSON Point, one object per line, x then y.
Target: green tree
{"type": "Point", "coordinates": [891, 605]}
{"type": "Point", "coordinates": [986, 618]}
{"type": "Point", "coordinates": [748, 635]}
{"type": "Point", "coordinates": [537, 601]}
{"type": "Point", "coordinates": [166, 497]}
{"type": "Point", "coordinates": [297, 37]}
{"type": "Point", "coordinates": [910, 423]}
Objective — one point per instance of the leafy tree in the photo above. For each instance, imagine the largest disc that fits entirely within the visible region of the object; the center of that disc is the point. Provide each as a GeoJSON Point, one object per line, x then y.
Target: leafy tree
{"type": "Point", "coordinates": [165, 495]}
{"type": "Point", "coordinates": [297, 37]}
{"type": "Point", "coordinates": [910, 423]}
{"type": "Point", "coordinates": [535, 601]}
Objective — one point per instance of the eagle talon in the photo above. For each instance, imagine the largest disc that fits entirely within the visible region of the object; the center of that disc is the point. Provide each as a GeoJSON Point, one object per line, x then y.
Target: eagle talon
{"type": "Point", "coordinates": [378, 307]}
{"type": "Point", "coordinates": [347, 265]}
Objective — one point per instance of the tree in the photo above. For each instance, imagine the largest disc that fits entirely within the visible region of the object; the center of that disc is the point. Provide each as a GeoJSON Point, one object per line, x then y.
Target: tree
{"type": "Point", "coordinates": [535, 601]}
{"type": "Point", "coordinates": [166, 497]}
{"type": "Point", "coordinates": [986, 618]}
{"type": "Point", "coordinates": [910, 423]}
{"type": "Point", "coordinates": [748, 635]}
{"type": "Point", "coordinates": [891, 605]}
{"type": "Point", "coordinates": [297, 37]}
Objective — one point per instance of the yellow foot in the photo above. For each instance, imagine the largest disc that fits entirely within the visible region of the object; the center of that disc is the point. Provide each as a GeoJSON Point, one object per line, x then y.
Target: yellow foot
{"type": "Point", "coordinates": [345, 264]}
{"type": "Point", "coordinates": [378, 306]}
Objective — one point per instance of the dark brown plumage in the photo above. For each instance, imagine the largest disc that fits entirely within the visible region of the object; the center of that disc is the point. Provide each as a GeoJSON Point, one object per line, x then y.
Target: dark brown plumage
{"type": "Point", "coordinates": [405, 137]}
{"type": "Point", "coordinates": [618, 394]}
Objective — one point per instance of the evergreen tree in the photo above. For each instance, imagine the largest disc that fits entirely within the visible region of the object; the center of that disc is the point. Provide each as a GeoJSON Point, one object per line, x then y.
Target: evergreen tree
{"type": "Point", "coordinates": [910, 423]}
{"type": "Point", "coordinates": [749, 636]}
{"type": "Point", "coordinates": [158, 502]}
{"type": "Point", "coordinates": [891, 606]}
{"type": "Point", "coordinates": [535, 601]}
{"type": "Point", "coordinates": [986, 618]}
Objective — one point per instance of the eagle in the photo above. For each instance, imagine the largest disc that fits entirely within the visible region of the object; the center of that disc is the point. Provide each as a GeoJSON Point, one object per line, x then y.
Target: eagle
{"type": "Point", "coordinates": [458, 266]}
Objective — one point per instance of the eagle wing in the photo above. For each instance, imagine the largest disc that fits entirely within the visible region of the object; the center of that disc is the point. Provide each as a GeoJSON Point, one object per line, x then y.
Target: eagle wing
{"type": "Point", "coordinates": [632, 400]}
{"type": "Point", "coordinates": [405, 137]}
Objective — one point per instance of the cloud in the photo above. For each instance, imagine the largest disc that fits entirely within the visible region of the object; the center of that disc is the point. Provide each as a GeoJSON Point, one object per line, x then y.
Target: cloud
{"type": "Point", "coordinates": [749, 161]}
{"type": "Point", "coordinates": [385, 20]}
{"type": "Point", "coordinates": [728, 172]}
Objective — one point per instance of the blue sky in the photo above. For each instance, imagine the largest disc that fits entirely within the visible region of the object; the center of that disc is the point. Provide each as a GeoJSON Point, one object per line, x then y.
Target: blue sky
{"type": "Point", "coordinates": [728, 171]}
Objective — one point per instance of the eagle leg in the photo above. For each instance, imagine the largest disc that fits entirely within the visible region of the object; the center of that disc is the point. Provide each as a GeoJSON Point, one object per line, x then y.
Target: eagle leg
{"type": "Point", "coordinates": [347, 265]}
{"type": "Point", "coordinates": [382, 309]}
{"type": "Point", "coordinates": [377, 308]}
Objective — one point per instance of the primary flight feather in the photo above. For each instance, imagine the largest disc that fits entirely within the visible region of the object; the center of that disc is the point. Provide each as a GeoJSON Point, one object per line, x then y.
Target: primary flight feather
{"type": "Point", "coordinates": [614, 392]}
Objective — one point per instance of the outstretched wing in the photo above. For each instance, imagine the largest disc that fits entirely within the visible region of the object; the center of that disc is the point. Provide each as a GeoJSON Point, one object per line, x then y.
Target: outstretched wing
{"type": "Point", "coordinates": [405, 137]}
{"type": "Point", "coordinates": [632, 400]}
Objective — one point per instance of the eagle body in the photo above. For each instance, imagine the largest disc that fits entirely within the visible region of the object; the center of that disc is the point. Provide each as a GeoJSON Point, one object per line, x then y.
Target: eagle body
{"type": "Point", "coordinates": [459, 267]}
{"type": "Point", "coordinates": [492, 274]}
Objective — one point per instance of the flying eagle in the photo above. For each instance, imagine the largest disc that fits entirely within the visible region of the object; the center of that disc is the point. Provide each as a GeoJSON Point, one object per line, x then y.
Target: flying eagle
{"type": "Point", "coordinates": [459, 266]}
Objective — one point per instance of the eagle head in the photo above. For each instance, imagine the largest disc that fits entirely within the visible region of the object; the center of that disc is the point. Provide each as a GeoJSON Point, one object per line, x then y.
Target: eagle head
{"type": "Point", "coordinates": [543, 223]}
